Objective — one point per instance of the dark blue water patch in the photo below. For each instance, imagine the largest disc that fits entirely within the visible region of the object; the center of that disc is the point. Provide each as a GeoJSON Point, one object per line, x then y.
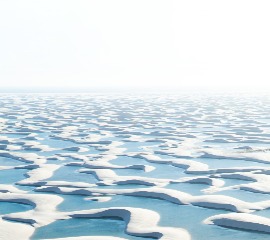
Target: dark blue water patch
{"type": "Point", "coordinates": [71, 174]}
{"type": "Point", "coordinates": [11, 176]}
{"type": "Point", "coordinates": [10, 207]}
{"type": "Point", "coordinates": [76, 227]}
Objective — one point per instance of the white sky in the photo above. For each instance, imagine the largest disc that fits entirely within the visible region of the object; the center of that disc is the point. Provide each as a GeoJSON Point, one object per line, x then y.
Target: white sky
{"type": "Point", "coordinates": [85, 43]}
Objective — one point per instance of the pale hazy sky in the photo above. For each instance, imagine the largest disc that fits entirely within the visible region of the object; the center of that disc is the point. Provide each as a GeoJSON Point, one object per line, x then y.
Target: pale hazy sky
{"type": "Point", "coordinates": [53, 43]}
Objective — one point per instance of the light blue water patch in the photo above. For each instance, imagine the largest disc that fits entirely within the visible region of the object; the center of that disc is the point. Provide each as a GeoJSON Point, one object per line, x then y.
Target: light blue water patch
{"type": "Point", "coordinates": [231, 145]}
{"type": "Point", "coordinates": [136, 146]}
{"type": "Point", "coordinates": [166, 171]}
{"type": "Point", "coordinates": [215, 163]}
{"type": "Point", "coordinates": [84, 227]}
{"type": "Point", "coordinates": [40, 153]}
{"type": "Point", "coordinates": [124, 186]}
{"type": "Point", "coordinates": [244, 195]}
{"type": "Point", "coordinates": [125, 160]}
{"type": "Point", "coordinates": [63, 162]}
{"type": "Point", "coordinates": [9, 207]}
{"type": "Point", "coordinates": [92, 150]}
{"type": "Point", "coordinates": [90, 126]}
{"type": "Point", "coordinates": [62, 144]}
{"type": "Point", "coordinates": [15, 135]}
{"type": "Point", "coordinates": [12, 176]}
{"type": "Point", "coordinates": [55, 143]}
{"type": "Point", "coordinates": [191, 188]}
{"type": "Point", "coordinates": [166, 156]}
{"type": "Point", "coordinates": [233, 182]}
{"type": "Point", "coordinates": [9, 162]}
{"type": "Point", "coordinates": [262, 213]}
{"type": "Point", "coordinates": [29, 189]}
{"type": "Point", "coordinates": [75, 203]}
{"type": "Point", "coordinates": [71, 174]}
{"type": "Point", "coordinates": [161, 171]}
